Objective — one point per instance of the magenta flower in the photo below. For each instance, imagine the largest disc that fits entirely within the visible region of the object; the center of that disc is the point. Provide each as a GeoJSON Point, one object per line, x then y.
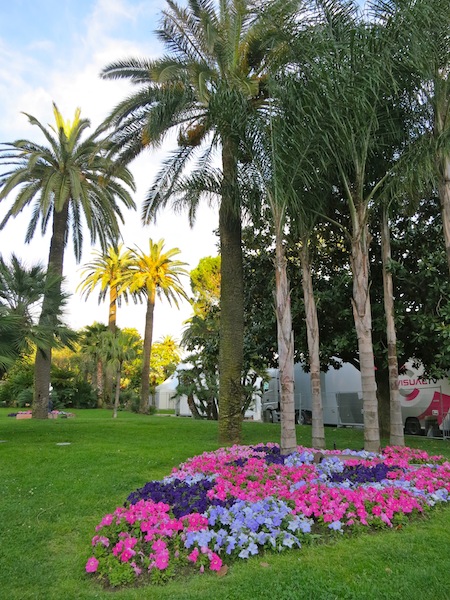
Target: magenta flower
{"type": "Point", "coordinates": [193, 556]}
{"type": "Point", "coordinates": [91, 565]}
{"type": "Point", "coordinates": [127, 554]}
{"type": "Point", "coordinates": [216, 562]}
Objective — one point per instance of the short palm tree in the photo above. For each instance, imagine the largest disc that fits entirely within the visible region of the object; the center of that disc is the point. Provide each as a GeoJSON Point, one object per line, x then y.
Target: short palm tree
{"type": "Point", "coordinates": [21, 291]}
{"type": "Point", "coordinates": [204, 90]}
{"type": "Point", "coordinates": [117, 348]}
{"type": "Point", "coordinates": [155, 274]}
{"type": "Point", "coordinates": [91, 349]}
{"type": "Point", "coordinates": [64, 181]}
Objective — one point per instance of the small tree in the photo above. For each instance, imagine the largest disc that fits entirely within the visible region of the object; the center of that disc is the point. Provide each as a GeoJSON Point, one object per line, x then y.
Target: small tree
{"type": "Point", "coordinates": [117, 348]}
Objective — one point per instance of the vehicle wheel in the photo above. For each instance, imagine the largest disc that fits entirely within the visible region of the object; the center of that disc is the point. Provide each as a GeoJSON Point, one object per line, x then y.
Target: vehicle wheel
{"type": "Point", "coordinates": [268, 416]}
{"type": "Point", "coordinates": [412, 427]}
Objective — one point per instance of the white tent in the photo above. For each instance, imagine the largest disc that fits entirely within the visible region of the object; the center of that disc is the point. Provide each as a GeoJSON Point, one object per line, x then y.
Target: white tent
{"type": "Point", "coordinates": [166, 392]}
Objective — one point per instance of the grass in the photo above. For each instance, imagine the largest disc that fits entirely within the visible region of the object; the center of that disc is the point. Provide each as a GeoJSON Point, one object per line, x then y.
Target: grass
{"type": "Point", "coordinates": [52, 496]}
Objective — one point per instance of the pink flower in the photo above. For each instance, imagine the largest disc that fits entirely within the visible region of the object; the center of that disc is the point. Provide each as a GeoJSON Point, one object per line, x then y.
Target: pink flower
{"type": "Point", "coordinates": [159, 545]}
{"type": "Point", "coordinates": [216, 562]}
{"type": "Point", "coordinates": [127, 554]}
{"type": "Point", "coordinates": [136, 569]}
{"type": "Point", "coordinates": [91, 565]}
{"type": "Point", "coordinates": [193, 556]}
{"type": "Point", "coordinates": [162, 560]}
{"type": "Point", "coordinates": [118, 548]}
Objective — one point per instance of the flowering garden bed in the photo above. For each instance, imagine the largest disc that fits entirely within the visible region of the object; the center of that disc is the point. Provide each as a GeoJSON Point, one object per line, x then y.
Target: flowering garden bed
{"type": "Point", "coordinates": [241, 501]}
{"type": "Point", "coordinates": [54, 414]}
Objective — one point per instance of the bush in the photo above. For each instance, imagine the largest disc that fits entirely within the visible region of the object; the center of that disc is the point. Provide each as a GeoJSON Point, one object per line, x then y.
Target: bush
{"type": "Point", "coordinates": [24, 398]}
{"type": "Point", "coordinates": [130, 400]}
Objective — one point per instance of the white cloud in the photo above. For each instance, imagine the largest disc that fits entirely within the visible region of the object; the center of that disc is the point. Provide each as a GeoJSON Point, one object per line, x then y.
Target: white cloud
{"type": "Point", "coordinates": [111, 30]}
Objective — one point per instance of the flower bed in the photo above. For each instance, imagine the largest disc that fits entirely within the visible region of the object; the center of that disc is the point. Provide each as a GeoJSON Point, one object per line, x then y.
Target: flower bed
{"type": "Point", "coordinates": [54, 414]}
{"type": "Point", "coordinates": [237, 502]}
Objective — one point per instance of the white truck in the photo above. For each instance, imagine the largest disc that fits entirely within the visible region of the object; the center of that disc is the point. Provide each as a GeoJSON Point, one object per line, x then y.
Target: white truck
{"type": "Point", "coordinates": [425, 402]}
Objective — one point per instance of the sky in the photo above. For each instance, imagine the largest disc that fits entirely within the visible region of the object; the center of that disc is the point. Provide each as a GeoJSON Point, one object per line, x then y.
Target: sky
{"type": "Point", "coordinates": [53, 51]}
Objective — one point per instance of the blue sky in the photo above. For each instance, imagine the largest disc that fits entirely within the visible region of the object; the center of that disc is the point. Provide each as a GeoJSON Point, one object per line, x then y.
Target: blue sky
{"type": "Point", "coordinates": [54, 50]}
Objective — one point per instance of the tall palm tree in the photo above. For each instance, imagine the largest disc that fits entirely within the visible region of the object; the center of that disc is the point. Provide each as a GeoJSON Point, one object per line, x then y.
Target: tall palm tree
{"type": "Point", "coordinates": [64, 181]}
{"type": "Point", "coordinates": [107, 270]}
{"type": "Point", "coordinates": [353, 92]}
{"type": "Point", "coordinates": [204, 90]}
{"type": "Point", "coordinates": [155, 274]}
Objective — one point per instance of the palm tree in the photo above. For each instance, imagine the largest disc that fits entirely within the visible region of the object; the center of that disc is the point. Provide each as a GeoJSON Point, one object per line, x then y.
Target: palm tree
{"type": "Point", "coordinates": [21, 291]}
{"type": "Point", "coordinates": [396, 433]}
{"type": "Point", "coordinates": [353, 94]}
{"type": "Point", "coordinates": [66, 180]}
{"type": "Point", "coordinates": [422, 27]}
{"type": "Point", "coordinates": [91, 347]}
{"type": "Point", "coordinates": [117, 348]}
{"type": "Point", "coordinates": [154, 274]}
{"type": "Point", "coordinates": [108, 270]}
{"type": "Point", "coordinates": [204, 90]}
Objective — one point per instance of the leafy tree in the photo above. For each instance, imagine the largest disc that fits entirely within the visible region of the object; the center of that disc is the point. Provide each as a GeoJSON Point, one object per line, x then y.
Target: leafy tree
{"type": "Point", "coordinates": [63, 181]}
{"type": "Point", "coordinates": [205, 284]}
{"type": "Point", "coordinates": [199, 376]}
{"type": "Point", "coordinates": [164, 360]}
{"type": "Point", "coordinates": [17, 384]}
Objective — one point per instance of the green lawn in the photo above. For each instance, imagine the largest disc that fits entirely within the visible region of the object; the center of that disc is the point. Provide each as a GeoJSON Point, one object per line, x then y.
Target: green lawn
{"type": "Point", "coordinates": [52, 496]}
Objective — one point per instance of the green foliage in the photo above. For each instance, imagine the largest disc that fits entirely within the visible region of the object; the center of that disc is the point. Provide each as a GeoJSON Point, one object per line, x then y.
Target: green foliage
{"type": "Point", "coordinates": [164, 359]}
{"type": "Point", "coordinates": [17, 383]}
{"type": "Point", "coordinates": [25, 398]}
{"type": "Point", "coordinates": [205, 284]}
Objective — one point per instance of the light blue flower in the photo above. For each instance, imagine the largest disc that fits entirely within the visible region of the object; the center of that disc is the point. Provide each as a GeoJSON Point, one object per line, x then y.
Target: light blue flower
{"type": "Point", "coordinates": [335, 526]}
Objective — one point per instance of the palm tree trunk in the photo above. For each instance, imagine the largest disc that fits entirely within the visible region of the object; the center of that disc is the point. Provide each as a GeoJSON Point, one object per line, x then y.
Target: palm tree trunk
{"type": "Point", "coordinates": [363, 325]}
{"type": "Point", "coordinates": [444, 197]}
{"type": "Point", "coordinates": [396, 436]}
{"type": "Point", "coordinates": [441, 113]}
{"type": "Point", "coordinates": [285, 350]}
{"type": "Point", "coordinates": [99, 378]}
{"type": "Point", "coordinates": [312, 329]}
{"type": "Point", "coordinates": [148, 338]}
{"type": "Point", "coordinates": [43, 361]}
{"type": "Point", "coordinates": [231, 302]}
{"type": "Point", "coordinates": [117, 396]}
{"type": "Point", "coordinates": [107, 392]}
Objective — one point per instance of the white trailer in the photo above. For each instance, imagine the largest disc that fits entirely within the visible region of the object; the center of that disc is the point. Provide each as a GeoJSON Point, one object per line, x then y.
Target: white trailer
{"type": "Point", "coordinates": [425, 402]}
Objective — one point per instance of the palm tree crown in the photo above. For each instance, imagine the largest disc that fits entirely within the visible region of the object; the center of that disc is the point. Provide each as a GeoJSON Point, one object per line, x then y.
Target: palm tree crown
{"type": "Point", "coordinates": [69, 177]}
{"type": "Point", "coordinates": [64, 181]}
{"type": "Point", "coordinates": [108, 270]}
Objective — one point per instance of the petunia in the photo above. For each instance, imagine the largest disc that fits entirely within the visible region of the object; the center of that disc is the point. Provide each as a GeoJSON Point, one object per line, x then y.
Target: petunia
{"type": "Point", "coordinates": [91, 565]}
